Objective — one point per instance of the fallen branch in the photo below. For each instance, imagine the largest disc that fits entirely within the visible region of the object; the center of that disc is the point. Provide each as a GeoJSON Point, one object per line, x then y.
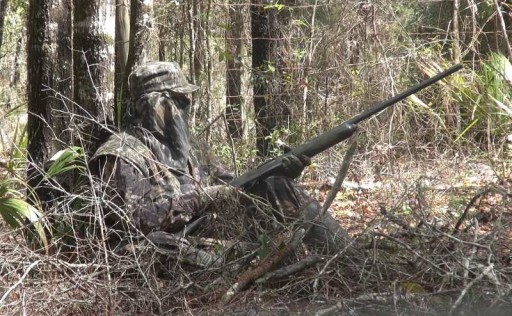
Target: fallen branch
{"type": "Point", "coordinates": [333, 310]}
{"type": "Point", "coordinates": [286, 245]}
{"type": "Point", "coordinates": [290, 269]}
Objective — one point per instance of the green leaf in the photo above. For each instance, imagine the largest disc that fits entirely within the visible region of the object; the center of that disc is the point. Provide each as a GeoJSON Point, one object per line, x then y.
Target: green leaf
{"type": "Point", "coordinates": [277, 6]}
{"type": "Point", "coordinates": [15, 211]}
{"type": "Point", "coordinates": [72, 158]}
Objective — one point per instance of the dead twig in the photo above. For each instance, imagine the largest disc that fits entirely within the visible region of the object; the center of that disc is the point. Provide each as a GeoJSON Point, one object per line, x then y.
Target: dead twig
{"type": "Point", "coordinates": [414, 252]}
{"type": "Point", "coordinates": [284, 248]}
{"type": "Point", "coordinates": [458, 301]}
{"type": "Point", "coordinates": [395, 219]}
{"type": "Point", "coordinates": [12, 288]}
{"type": "Point", "coordinates": [473, 201]}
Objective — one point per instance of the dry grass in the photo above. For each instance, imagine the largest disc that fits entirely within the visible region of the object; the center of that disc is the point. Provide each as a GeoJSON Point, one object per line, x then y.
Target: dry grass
{"type": "Point", "coordinates": [418, 260]}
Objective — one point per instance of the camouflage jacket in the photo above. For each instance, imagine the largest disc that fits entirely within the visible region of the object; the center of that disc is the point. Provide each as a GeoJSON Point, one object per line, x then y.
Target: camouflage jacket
{"type": "Point", "coordinates": [155, 197]}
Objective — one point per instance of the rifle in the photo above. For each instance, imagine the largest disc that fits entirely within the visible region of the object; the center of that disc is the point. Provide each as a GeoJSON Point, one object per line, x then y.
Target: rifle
{"type": "Point", "coordinates": [334, 136]}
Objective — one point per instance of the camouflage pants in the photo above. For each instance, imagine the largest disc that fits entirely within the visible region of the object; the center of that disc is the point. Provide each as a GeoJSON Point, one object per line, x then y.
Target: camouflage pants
{"type": "Point", "coordinates": [292, 205]}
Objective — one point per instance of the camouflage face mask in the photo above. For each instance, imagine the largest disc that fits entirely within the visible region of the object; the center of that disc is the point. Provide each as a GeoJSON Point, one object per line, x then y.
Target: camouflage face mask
{"type": "Point", "coordinates": [160, 113]}
{"type": "Point", "coordinates": [164, 119]}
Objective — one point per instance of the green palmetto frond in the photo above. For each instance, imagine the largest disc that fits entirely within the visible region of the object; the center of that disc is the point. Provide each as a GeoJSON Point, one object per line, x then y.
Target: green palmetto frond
{"type": "Point", "coordinates": [18, 213]}
{"type": "Point", "coordinates": [69, 159]}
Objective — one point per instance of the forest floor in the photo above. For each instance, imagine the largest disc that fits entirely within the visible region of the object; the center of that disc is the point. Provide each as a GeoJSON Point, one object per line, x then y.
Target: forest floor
{"type": "Point", "coordinates": [424, 207]}
{"type": "Point", "coordinates": [439, 230]}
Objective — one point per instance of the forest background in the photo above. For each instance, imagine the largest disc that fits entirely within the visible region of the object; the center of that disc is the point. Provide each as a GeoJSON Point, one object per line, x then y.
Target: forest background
{"type": "Point", "coordinates": [274, 72]}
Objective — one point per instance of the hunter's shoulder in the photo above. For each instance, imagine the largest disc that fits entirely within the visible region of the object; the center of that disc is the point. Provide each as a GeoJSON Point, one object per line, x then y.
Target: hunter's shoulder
{"type": "Point", "coordinates": [120, 144]}
{"type": "Point", "coordinates": [127, 147]}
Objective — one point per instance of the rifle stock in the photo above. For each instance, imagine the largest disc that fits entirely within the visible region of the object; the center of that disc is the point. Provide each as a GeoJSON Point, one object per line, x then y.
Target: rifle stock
{"type": "Point", "coordinates": [334, 136]}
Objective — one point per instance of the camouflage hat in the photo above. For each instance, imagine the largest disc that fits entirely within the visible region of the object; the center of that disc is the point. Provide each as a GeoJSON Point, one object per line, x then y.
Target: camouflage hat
{"type": "Point", "coordinates": [158, 76]}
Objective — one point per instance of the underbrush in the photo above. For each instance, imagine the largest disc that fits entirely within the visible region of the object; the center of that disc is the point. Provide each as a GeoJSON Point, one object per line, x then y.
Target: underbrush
{"type": "Point", "coordinates": [436, 240]}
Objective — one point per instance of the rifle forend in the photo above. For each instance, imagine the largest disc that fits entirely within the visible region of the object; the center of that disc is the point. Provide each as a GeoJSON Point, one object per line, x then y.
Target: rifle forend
{"type": "Point", "coordinates": [334, 136]}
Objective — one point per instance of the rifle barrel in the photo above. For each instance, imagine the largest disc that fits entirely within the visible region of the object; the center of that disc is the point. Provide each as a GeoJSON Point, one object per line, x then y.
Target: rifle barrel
{"type": "Point", "coordinates": [335, 135]}
{"type": "Point", "coordinates": [399, 97]}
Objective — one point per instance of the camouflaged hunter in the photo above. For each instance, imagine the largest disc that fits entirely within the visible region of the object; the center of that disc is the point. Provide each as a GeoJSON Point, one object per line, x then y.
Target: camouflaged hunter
{"type": "Point", "coordinates": [152, 172]}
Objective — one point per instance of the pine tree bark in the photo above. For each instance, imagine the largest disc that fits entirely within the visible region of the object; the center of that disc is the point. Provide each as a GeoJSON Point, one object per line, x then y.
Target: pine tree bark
{"type": "Point", "coordinates": [269, 50]}
{"type": "Point", "coordinates": [92, 64]}
{"type": "Point", "coordinates": [142, 47]}
{"type": "Point", "coordinates": [38, 74]}
{"type": "Point", "coordinates": [49, 82]}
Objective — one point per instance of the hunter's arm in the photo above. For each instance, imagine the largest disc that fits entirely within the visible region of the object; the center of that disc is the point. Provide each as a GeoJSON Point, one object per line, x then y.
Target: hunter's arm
{"type": "Point", "coordinates": [150, 206]}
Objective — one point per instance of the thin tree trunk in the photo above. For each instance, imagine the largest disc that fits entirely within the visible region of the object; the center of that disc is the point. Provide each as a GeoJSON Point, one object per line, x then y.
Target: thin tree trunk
{"type": "Point", "coordinates": [194, 30]}
{"type": "Point", "coordinates": [456, 56]}
{"type": "Point", "coordinates": [209, 64]}
{"type": "Point", "coordinates": [122, 34]}
{"type": "Point", "coordinates": [3, 12]}
{"type": "Point", "coordinates": [122, 49]}
{"type": "Point", "coordinates": [16, 72]}
{"type": "Point", "coordinates": [308, 59]}
{"type": "Point", "coordinates": [260, 56]}
{"type": "Point", "coordinates": [269, 57]}
{"type": "Point", "coordinates": [234, 72]}
{"type": "Point", "coordinates": [141, 45]}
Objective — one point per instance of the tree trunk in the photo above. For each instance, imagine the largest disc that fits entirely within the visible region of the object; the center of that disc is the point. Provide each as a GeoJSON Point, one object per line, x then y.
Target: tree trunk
{"type": "Point", "coordinates": [49, 82]}
{"type": "Point", "coordinates": [38, 74]}
{"type": "Point", "coordinates": [142, 47]}
{"type": "Point", "coordinates": [194, 34]}
{"type": "Point", "coordinates": [62, 68]}
{"type": "Point", "coordinates": [15, 78]}
{"type": "Point", "coordinates": [234, 99]}
{"type": "Point", "coordinates": [269, 50]}
{"type": "Point", "coordinates": [260, 56]}
{"type": "Point", "coordinates": [92, 63]}
{"type": "Point", "coordinates": [122, 49]}
{"type": "Point", "coordinates": [3, 11]}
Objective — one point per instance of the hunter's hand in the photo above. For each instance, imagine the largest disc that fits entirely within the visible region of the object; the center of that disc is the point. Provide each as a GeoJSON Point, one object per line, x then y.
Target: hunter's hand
{"type": "Point", "coordinates": [294, 165]}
